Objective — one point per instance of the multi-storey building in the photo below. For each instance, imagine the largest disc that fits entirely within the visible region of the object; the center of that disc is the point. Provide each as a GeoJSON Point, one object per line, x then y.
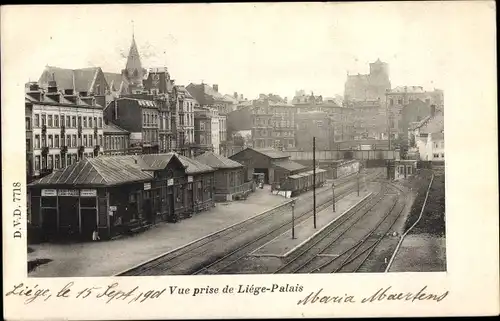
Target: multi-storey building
{"type": "Point", "coordinates": [215, 130]}
{"type": "Point", "coordinates": [410, 104]}
{"type": "Point", "coordinates": [140, 117]}
{"type": "Point", "coordinates": [185, 105]}
{"type": "Point", "coordinates": [262, 124]}
{"type": "Point", "coordinates": [28, 112]}
{"type": "Point", "coordinates": [116, 140]}
{"type": "Point", "coordinates": [202, 130]}
{"type": "Point", "coordinates": [210, 97]}
{"type": "Point", "coordinates": [314, 124]}
{"type": "Point", "coordinates": [283, 121]}
{"type": "Point", "coordinates": [66, 126]}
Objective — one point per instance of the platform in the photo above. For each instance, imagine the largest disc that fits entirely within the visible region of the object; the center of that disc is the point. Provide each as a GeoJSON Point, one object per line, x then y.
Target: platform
{"type": "Point", "coordinates": [283, 245]}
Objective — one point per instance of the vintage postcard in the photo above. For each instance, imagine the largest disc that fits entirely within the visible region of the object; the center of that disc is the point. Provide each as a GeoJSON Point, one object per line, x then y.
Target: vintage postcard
{"type": "Point", "coordinates": [253, 160]}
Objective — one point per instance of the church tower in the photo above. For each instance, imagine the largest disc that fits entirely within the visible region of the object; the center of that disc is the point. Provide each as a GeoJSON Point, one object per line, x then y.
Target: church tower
{"type": "Point", "coordinates": [133, 72]}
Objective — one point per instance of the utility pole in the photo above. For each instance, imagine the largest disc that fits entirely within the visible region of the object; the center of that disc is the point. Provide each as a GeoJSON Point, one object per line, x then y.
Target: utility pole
{"type": "Point", "coordinates": [333, 196]}
{"type": "Point", "coordinates": [388, 120]}
{"type": "Point", "coordinates": [293, 220]}
{"type": "Point", "coordinates": [314, 180]}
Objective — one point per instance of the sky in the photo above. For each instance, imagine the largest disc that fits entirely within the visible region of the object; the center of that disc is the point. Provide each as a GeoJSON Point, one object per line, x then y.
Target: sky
{"type": "Point", "coordinates": [248, 48]}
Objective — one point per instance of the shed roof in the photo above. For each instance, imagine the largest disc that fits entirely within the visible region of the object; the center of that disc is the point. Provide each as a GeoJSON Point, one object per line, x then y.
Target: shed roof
{"type": "Point", "coordinates": [194, 166]}
{"type": "Point", "coordinates": [217, 161]}
{"type": "Point", "coordinates": [104, 171]}
{"type": "Point", "coordinates": [270, 152]}
{"type": "Point", "coordinates": [289, 165]}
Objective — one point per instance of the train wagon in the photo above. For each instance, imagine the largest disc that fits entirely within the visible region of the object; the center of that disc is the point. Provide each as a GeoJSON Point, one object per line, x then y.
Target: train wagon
{"type": "Point", "coordinates": [303, 182]}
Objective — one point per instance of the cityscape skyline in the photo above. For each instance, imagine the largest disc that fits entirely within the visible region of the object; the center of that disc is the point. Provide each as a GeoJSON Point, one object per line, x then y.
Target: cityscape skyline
{"type": "Point", "coordinates": [239, 59]}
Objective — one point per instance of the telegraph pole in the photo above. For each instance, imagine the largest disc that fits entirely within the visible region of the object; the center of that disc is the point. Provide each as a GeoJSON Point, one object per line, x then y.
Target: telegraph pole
{"type": "Point", "coordinates": [388, 120]}
{"type": "Point", "coordinates": [314, 180]}
{"type": "Point", "coordinates": [333, 195]}
{"type": "Point", "coordinates": [293, 220]}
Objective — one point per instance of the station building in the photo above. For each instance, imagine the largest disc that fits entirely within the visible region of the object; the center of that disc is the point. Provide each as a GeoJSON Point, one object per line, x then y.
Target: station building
{"type": "Point", "coordinates": [230, 179]}
{"type": "Point", "coordinates": [118, 194]}
{"type": "Point", "coordinates": [274, 164]}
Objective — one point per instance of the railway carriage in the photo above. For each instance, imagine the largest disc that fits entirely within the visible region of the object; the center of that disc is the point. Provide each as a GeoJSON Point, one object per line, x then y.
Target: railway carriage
{"type": "Point", "coordinates": [303, 182]}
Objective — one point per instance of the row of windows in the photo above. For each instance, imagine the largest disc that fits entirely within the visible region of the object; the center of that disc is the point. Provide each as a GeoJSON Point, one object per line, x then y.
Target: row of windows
{"type": "Point", "coordinates": [115, 142]}
{"type": "Point", "coordinates": [57, 161]}
{"type": "Point", "coordinates": [66, 120]}
{"type": "Point", "coordinates": [436, 155]}
{"type": "Point", "coordinates": [70, 141]}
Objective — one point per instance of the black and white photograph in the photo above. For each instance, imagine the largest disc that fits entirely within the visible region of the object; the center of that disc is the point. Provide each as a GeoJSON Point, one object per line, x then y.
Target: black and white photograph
{"type": "Point", "coordinates": [240, 139]}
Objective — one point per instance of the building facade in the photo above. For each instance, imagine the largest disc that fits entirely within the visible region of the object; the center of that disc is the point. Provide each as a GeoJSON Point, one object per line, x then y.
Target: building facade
{"type": "Point", "coordinates": [116, 140]}
{"type": "Point", "coordinates": [202, 131]}
{"type": "Point", "coordinates": [65, 128]}
{"type": "Point", "coordinates": [314, 124]}
{"type": "Point", "coordinates": [140, 117]}
{"type": "Point", "coordinates": [370, 86]}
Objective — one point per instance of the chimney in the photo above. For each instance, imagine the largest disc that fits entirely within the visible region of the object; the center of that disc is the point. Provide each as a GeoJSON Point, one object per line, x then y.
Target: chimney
{"type": "Point", "coordinates": [52, 87]}
{"type": "Point", "coordinates": [235, 95]}
{"type": "Point", "coordinates": [216, 88]}
{"type": "Point", "coordinates": [433, 110]}
{"type": "Point", "coordinates": [241, 96]}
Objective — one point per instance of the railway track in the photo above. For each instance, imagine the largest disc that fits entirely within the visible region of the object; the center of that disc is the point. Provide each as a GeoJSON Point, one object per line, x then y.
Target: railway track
{"type": "Point", "coordinates": [191, 258]}
{"type": "Point", "coordinates": [313, 258]}
{"type": "Point", "coordinates": [308, 253]}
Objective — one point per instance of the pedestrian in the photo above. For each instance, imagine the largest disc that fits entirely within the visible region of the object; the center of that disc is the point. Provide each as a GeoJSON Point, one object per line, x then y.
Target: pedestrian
{"type": "Point", "coordinates": [95, 236]}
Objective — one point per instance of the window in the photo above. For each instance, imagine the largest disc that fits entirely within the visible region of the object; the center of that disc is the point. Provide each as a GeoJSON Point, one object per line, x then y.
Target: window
{"type": "Point", "coordinates": [50, 161]}
{"type": "Point", "coordinates": [73, 121]}
{"type": "Point", "coordinates": [56, 121]}
{"type": "Point", "coordinates": [51, 141]}
{"type": "Point", "coordinates": [68, 121]}
{"type": "Point", "coordinates": [44, 162]}
{"type": "Point", "coordinates": [63, 120]}
{"type": "Point", "coordinates": [44, 142]}
{"type": "Point", "coordinates": [100, 140]}
{"type": "Point", "coordinates": [37, 141]}
{"type": "Point", "coordinates": [68, 160]}
{"type": "Point", "coordinates": [400, 101]}
{"type": "Point", "coordinates": [85, 140]}
{"type": "Point", "coordinates": [84, 122]}
{"type": "Point", "coordinates": [44, 120]}
{"type": "Point", "coordinates": [100, 122]}
{"type": "Point", "coordinates": [37, 163]}
{"type": "Point", "coordinates": [73, 141]}
{"type": "Point", "coordinates": [37, 120]}
{"type": "Point", "coordinates": [442, 155]}
{"type": "Point", "coordinates": [68, 141]}
{"type": "Point", "coordinates": [56, 141]}
{"type": "Point", "coordinates": [436, 155]}
{"type": "Point", "coordinates": [57, 162]}
{"type": "Point", "coordinates": [28, 123]}
{"type": "Point", "coordinates": [50, 124]}
{"type": "Point", "coordinates": [90, 122]}
{"type": "Point", "coordinates": [28, 145]}
{"type": "Point", "coordinates": [79, 121]}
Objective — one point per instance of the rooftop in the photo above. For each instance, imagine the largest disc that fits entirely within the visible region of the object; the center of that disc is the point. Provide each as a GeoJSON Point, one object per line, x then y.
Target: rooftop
{"type": "Point", "coordinates": [289, 165]}
{"type": "Point", "coordinates": [217, 161]}
{"type": "Point", "coordinates": [112, 128]}
{"type": "Point", "coordinates": [270, 152]}
{"type": "Point", "coordinates": [105, 171]}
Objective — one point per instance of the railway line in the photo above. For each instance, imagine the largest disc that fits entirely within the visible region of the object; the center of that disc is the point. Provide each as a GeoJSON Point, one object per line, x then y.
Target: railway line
{"type": "Point", "coordinates": [315, 258]}
{"type": "Point", "coordinates": [229, 245]}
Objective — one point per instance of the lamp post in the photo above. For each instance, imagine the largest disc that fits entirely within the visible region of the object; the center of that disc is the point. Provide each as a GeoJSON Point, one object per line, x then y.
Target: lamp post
{"type": "Point", "coordinates": [293, 220]}
{"type": "Point", "coordinates": [333, 195]}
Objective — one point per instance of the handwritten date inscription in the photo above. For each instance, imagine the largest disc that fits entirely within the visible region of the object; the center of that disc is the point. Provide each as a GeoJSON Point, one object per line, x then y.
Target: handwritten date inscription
{"type": "Point", "coordinates": [107, 293]}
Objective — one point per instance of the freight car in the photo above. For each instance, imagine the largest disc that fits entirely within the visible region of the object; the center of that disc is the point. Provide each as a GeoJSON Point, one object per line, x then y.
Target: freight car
{"type": "Point", "coordinates": [302, 182]}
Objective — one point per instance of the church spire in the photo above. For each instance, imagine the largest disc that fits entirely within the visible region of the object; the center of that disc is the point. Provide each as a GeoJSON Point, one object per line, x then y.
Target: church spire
{"type": "Point", "coordinates": [133, 69]}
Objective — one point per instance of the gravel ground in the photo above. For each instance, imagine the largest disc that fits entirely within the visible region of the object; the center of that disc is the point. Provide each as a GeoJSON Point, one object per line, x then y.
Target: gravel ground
{"type": "Point", "coordinates": [424, 248]}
